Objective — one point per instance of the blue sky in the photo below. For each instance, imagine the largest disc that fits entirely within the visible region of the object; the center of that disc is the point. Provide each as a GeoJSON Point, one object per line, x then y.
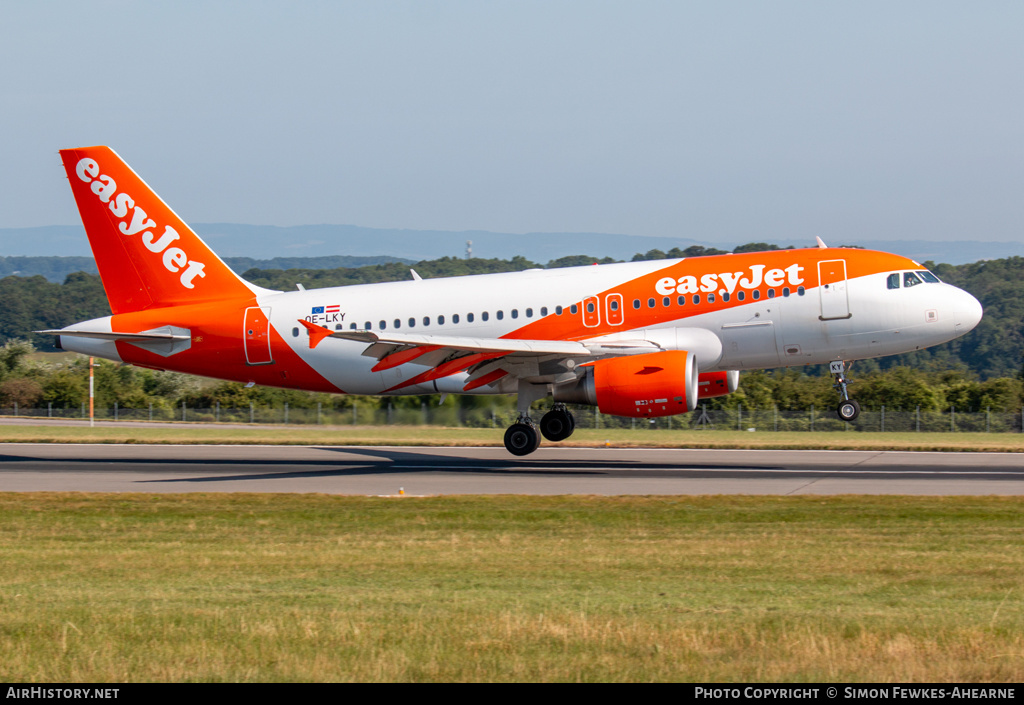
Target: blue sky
{"type": "Point", "coordinates": [716, 121]}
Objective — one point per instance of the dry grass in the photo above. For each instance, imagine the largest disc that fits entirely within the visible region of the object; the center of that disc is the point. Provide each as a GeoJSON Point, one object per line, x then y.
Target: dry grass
{"type": "Point", "coordinates": [99, 588]}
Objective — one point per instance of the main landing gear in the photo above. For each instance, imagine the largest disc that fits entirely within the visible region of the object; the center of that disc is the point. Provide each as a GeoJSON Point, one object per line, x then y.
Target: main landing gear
{"type": "Point", "coordinates": [523, 437]}
{"type": "Point", "coordinates": [848, 409]}
{"type": "Point", "coordinates": [558, 424]}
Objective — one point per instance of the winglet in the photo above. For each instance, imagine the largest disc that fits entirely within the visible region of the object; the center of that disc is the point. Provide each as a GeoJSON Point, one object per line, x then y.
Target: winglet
{"type": "Point", "coordinates": [316, 333]}
{"type": "Point", "coordinates": [821, 243]}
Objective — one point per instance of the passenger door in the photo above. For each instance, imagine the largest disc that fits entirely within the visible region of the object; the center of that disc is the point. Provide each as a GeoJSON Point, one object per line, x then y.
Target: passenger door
{"type": "Point", "coordinates": [832, 291]}
{"type": "Point", "coordinates": [256, 334]}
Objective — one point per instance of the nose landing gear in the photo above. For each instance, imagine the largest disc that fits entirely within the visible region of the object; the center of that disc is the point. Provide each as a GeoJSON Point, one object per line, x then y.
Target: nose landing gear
{"type": "Point", "coordinates": [848, 409]}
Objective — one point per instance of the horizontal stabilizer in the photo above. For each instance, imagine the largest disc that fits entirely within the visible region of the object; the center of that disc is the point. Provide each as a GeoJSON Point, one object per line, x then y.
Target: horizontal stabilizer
{"type": "Point", "coordinates": [112, 335]}
{"type": "Point", "coordinates": [164, 341]}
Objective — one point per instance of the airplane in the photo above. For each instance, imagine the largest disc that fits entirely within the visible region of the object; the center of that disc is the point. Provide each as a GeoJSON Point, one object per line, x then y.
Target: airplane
{"type": "Point", "coordinates": [636, 339]}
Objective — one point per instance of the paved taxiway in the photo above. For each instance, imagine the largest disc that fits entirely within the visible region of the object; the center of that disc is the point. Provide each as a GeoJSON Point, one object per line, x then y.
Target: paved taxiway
{"type": "Point", "coordinates": [429, 471]}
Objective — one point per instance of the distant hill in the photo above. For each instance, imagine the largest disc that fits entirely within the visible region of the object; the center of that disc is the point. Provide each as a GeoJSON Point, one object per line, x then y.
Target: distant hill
{"type": "Point", "coordinates": [318, 246]}
{"type": "Point", "coordinates": [268, 242]}
{"type": "Point", "coordinates": [56, 269]}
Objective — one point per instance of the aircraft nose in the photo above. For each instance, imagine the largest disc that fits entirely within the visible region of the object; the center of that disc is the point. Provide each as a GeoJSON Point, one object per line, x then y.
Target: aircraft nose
{"type": "Point", "coordinates": [966, 312]}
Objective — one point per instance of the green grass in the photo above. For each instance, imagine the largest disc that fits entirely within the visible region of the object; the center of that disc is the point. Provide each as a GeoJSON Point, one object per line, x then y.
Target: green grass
{"type": "Point", "coordinates": [98, 588]}
{"type": "Point", "coordinates": [444, 436]}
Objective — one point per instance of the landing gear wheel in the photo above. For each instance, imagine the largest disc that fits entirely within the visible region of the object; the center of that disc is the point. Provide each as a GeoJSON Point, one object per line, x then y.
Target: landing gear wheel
{"type": "Point", "coordinates": [521, 439]}
{"type": "Point", "coordinates": [557, 425]}
{"type": "Point", "coordinates": [848, 410]}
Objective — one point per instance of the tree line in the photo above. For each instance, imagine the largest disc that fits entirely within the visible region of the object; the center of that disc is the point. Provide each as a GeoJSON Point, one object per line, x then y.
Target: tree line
{"type": "Point", "coordinates": [31, 381]}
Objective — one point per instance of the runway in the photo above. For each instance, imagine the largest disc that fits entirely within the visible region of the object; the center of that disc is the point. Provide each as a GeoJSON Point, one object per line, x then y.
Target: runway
{"type": "Point", "coordinates": [440, 471]}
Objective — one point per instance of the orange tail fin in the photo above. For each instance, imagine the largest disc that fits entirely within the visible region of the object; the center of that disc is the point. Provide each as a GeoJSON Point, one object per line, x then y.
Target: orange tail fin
{"type": "Point", "coordinates": [147, 256]}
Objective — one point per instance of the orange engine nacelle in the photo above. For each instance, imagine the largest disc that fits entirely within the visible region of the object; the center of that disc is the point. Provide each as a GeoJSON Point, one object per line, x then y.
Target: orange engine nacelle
{"type": "Point", "coordinates": [653, 384]}
{"type": "Point", "coordinates": [717, 384]}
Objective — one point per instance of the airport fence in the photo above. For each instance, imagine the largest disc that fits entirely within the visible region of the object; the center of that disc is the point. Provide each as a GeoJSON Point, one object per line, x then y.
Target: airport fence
{"type": "Point", "coordinates": [737, 419]}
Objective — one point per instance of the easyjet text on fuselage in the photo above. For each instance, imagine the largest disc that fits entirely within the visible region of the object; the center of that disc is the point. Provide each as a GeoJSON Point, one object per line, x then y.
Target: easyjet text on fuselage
{"type": "Point", "coordinates": [727, 282]}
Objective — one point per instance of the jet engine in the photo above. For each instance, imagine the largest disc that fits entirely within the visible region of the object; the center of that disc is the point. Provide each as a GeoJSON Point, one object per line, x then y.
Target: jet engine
{"type": "Point", "coordinates": [717, 384]}
{"type": "Point", "coordinates": [652, 384]}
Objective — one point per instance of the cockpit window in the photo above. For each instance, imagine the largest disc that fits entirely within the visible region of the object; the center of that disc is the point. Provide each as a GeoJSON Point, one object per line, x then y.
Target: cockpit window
{"type": "Point", "coordinates": [910, 279]}
{"type": "Point", "coordinates": [893, 282]}
{"type": "Point", "coordinates": [929, 277]}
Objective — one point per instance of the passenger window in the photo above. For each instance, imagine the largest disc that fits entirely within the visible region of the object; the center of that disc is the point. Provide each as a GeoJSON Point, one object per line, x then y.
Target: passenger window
{"type": "Point", "coordinates": [485, 316]}
{"type": "Point", "coordinates": [529, 313]}
{"type": "Point", "coordinates": [383, 325]}
{"type": "Point", "coordinates": [412, 322]}
{"type": "Point", "coordinates": [295, 334]}
{"type": "Point", "coordinates": [893, 281]}
{"type": "Point", "coordinates": [771, 293]}
{"type": "Point", "coordinates": [756, 294]}
{"type": "Point", "coordinates": [785, 292]}
{"type": "Point", "coordinates": [742, 295]}
{"type": "Point", "coordinates": [696, 298]}
{"type": "Point", "coordinates": [500, 315]}
{"type": "Point", "coordinates": [636, 303]}
{"type": "Point", "coordinates": [910, 279]}
{"type": "Point", "coordinates": [515, 313]}
{"type": "Point", "coordinates": [469, 318]}
{"type": "Point", "coordinates": [650, 303]}
{"type": "Point", "coordinates": [574, 308]}
{"type": "Point", "coordinates": [543, 310]}
{"type": "Point", "coordinates": [666, 302]}
{"type": "Point", "coordinates": [398, 323]}
{"type": "Point", "coordinates": [613, 305]}
{"type": "Point", "coordinates": [367, 326]}
{"type": "Point", "coordinates": [725, 297]}
{"type": "Point", "coordinates": [681, 300]}
{"type": "Point", "coordinates": [440, 320]}
{"type": "Point", "coordinates": [800, 291]}
{"type": "Point", "coordinates": [337, 326]}
{"type": "Point", "coordinates": [352, 327]}
{"type": "Point", "coordinates": [558, 310]}
{"type": "Point", "coordinates": [426, 320]}
{"type": "Point", "coordinates": [711, 298]}
{"type": "Point", "coordinates": [455, 318]}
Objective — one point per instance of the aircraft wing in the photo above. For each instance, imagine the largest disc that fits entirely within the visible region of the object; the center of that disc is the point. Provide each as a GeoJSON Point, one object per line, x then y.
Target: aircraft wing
{"type": "Point", "coordinates": [456, 343]}
{"type": "Point", "coordinates": [486, 359]}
